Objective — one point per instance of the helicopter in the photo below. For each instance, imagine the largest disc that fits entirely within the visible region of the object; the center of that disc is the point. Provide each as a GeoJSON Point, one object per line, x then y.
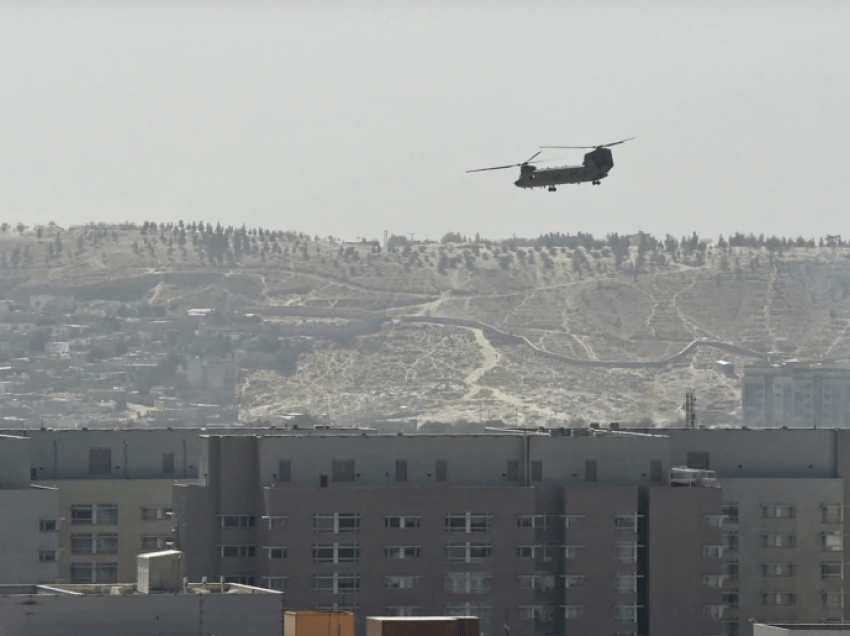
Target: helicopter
{"type": "Point", "coordinates": [595, 167]}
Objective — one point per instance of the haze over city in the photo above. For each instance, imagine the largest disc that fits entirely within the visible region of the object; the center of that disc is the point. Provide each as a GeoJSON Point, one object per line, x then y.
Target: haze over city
{"type": "Point", "coordinates": [347, 119]}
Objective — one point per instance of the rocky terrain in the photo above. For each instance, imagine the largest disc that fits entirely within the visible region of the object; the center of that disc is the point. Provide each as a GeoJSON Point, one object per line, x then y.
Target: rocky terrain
{"type": "Point", "coordinates": [550, 330]}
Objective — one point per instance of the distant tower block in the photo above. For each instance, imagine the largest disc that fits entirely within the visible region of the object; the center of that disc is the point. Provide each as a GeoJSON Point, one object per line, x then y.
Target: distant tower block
{"type": "Point", "coordinates": [690, 409]}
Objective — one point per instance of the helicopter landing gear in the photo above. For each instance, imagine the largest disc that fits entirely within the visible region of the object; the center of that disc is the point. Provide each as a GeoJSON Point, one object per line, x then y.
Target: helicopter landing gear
{"type": "Point", "coordinates": [552, 189]}
{"type": "Point", "coordinates": [595, 182]}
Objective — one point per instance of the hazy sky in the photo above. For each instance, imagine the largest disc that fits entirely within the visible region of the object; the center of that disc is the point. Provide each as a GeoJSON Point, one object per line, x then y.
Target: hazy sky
{"type": "Point", "coordinates": [351, 118]}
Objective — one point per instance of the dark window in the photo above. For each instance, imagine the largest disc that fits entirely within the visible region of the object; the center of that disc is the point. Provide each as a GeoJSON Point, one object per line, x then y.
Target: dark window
{"type": "Point", "coordinates": [655, 472]}
{"type": "Point", "coordinates": [284, 471]}
{"type": "Point", "coordinates": [168, 463]}
{"type": "Point", "coordinates": [33, 473]}
{"type": "Point", "coordinates": [537, 471]}
{"type": "Point", "coordinates": [342, 470]}
{"type": "Point", "coordinates": [100, 461]}
{"type": "Point", "coordinates": [698, 461]}
{"type": "Point", "coordinates": [442, 470]}
{"type": "Point", "coordinates": [323, 481]}
{"type": "Point", "coordinates": [590, 470]}
{"type": "Point", "coordinates": [513, 470]}
{"type": "Point", "coordinates": [401, 470]}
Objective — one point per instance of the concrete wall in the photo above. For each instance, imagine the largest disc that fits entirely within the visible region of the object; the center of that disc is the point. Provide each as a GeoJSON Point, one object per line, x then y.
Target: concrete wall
{"type": "Point", "coordinates": [677, 535]}
{"type": "Point", "coordinates": [136, 454]}
{"type": "Point", "coordinates": [142, 615]}
{"type": "Point", "coordinates": [735, 453]}
{"type": "Point", "coordinates": [20, 538]}
{"type": "Point", "coordinates": [14, 462]}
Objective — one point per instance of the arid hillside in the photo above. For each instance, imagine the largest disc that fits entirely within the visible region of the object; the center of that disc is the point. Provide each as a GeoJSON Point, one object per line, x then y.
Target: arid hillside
{"type": "Point", "coordinates": [554, 329]}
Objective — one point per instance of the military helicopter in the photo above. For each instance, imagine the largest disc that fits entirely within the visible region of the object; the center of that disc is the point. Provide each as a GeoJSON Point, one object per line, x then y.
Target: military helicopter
{"type": "Point", "coordinates": [595, 167]}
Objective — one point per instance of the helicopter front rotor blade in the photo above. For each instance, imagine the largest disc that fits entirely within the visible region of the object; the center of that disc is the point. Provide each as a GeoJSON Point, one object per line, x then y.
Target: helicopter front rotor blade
{"type": "Point", "coordinates": [513, 165]}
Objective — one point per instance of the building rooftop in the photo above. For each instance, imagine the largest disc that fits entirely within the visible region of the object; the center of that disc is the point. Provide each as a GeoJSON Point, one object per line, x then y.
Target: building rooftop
{"type": "Point", "coordinates": [125, 589]}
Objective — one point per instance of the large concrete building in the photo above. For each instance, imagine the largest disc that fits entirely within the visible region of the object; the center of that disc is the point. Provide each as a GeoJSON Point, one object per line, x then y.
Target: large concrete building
{"type": "Point", "coordinates": [584, 532]}
{"type": "Point", "coordinates": [796, 396]}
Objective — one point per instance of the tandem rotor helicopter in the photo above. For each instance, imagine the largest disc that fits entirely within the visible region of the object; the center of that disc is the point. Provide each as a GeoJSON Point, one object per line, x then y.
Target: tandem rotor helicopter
{"type": "Point", "coordinates": [595, 167]}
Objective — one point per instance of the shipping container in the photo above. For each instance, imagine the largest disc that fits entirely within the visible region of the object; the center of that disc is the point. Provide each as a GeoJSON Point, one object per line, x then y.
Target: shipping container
{"type": "Point", "coordinates": [318, 623]}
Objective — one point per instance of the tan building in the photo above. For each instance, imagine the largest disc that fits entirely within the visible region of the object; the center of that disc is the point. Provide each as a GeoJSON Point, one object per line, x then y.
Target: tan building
{"type": "Point", "coordinates": [107, 523]}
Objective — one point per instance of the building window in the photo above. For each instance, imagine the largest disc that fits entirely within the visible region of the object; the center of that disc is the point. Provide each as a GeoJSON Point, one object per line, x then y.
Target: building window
{"type": "Point", "coordinates": [832, 541]}
{"type": "Point", "coordinates": [542, 613]}
{"type": "Point", "coordinates": [625, 613]}
{"type": "Point", "coordinates": [712, 551]}
{"type": "Point", "coordinates": [94, 572]}
{"type": "Point", "coordinates": [779, 569]}
{"type": "Point", "coordinates": [573, 611]}
{"type": "Point", "coordinates": [573, 522]}
{"type": "Point", "coordinates": [626, 551]}
{"type": "Point", "coordinates": [574, 551]}
{"type": "Point", "coordinates": [730, 513]}
{"type": "Point", "coordinates": [100, 461]}
{"type": "Point", "coordinates": [714, 581]}
{"type": "Point", "coordinates": [626, 522]}
{"type": "Point", "coordinates": [730, 570]}
{"type": "Point", "coordinates": [442, 470]}
{"type": "Point", "coordinates": [730, 628]}
{"type": "Point", "coordinates": [713, 612]}
{"type": "Point", "coordinates": [714, 521]}
{"type": "Point", "coordinates": [342, 470]}
{"type": "Point", "coordinates": [538, 522]}
{"type": "Point", "coordinates": [336, 523]}
{"type": "Point", "coordinates": [730, 599]}
{"type": "Point", "coordinates": [237, 521]}
{"type": "Point", "coordinates": [277, 552]}
{"type": "Point", "coordinates": [573, 580]}
{"type": "Point", "coordinates": [284, 471]}
{"type": "Point", "coordinates": [468, 582]}
{"type": "Point", "coordinates": [48, 525]}
{"type": "Point", "coordinates": [277, 583]}
{"type": "Point", "coordinates": [778, 540]}
{"type": "Point", "coordinates": [832, 513]}
{"type": "Point", "coordinates": [730, 541]}
{"type": "Point", "coordinates": [513, 470]}
{"type": "Point", "coordinates": [238, 551]}
{"type": "Point", "coordinates": [354, 608]}
{"type": "Point", "coordinates": [483, 612]}
{"type": "Point", "coordinates": [832, 570]}
{"type": "Point", "coordinates": [48, 555]}
{"type": "Point", "coordinates": [277, 523]}
{"type": "Point", "coordinates": [536, 470]}
{"type": "Point", "coordinates": [468, 522]}
{"type": "Point", "coordinates": [832, 599]}
{"type": "Point", "coordinates": [402, 552]}
{"type": "Point", "coordinates": [541, 582]}
{"type": "Point", "coordinates": [402, 522]}
{"type": "Point", "coordinates": [590, 470]}
{"type": "Point", "coordinates": [402, 610]}
{"type": "Point", "coordinates": [336, 583]}
{"type": "Point", "coordinates": [336, 553]}
{"type": "Point", "coordinates": [401, 470]}
{"type": "Point", "coordinates": [626, 583]}
{"type": "Point", "coordinates": [401, 582]}
{"type": "Point", "coordinates": [168, 463]}
{"type": "Point", "coordinates": [779, 511]}
{"type": "Point", "coordinates": [156, 513]}
{"type": "Point", "coordinates": [778, 598]}
{"type": "Point", "coordinates": [94, 515]}
{"type": "Point", "coordinates": [239, 580]}
{"type": "Point", "coordinates": [151, 544]}
{"type": "Point", "coordinates": [539, 552]}
{"type": "Point", "coordinates": [468, 552]}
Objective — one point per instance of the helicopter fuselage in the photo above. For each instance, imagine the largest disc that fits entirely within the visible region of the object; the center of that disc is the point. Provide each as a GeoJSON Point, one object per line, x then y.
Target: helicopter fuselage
{"type": "Point", "coordinates": [594, 168]}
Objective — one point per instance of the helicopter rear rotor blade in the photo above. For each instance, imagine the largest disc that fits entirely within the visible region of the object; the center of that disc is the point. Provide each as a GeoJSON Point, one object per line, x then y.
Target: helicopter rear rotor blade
{"type": "Point", "coordinates": [615, 143]}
